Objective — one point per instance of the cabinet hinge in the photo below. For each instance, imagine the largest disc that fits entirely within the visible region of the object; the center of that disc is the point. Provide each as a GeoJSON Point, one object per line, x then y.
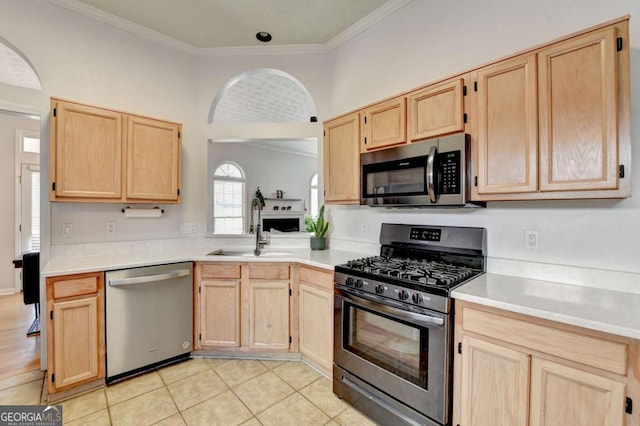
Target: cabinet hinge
{"type": "Point", "coordinates": [464, 90]}
{"type": "Point", "coordinates": [178, 191]}
{"type": "Point", "coordinates": [178, 135]}
{"type": "Point", "coordinates": [628, 405]}
{"type": "Point", "coordinates": [20, 228]}
{"type": "Point", "coordinates": [51, 314]}
{"type": "Point", "coordinates": [475, 181]}
{"type": "Point", "coordinates": [53, 377]}
{"type": "Point", "coordinates": [459, 347]}
{"type": "Point", "coordinates": [464, 117]}
{"type": "Point", "coordinates": [365, 141]}
{"type": "Point", "coordinates": [621, 171]}
{"type": "Point", "coordinates": [619, 44]}
{"type": "Point", "coordinates": [291, 340]}
{"type": "Point", "coordinates": [324, 133]}
{"type": "Point", "coordinates": [365, 119]}
{"type": "Point", "coordinates": [199, 289]}
{"type": "Point", "coordinates": [55, 112]}
{"type": "Point", "coordinates": [290, 292]}
{"type": "Point", "coordinates": [53, 186]}
{"type": "Point", "coordinates": [200, 336]}
{"type": "Point", "coordinates": [475, 86]}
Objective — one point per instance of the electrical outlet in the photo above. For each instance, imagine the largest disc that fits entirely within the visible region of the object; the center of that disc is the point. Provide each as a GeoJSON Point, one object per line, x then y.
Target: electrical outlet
{"type": "Point", "coordinates": [188, 228]}
{"type": "Point", "coordinates": [531, 240]}
{"type": "Point", "coordinates": [111, 229]}
{"type": "Point", "coordinates": [67, 230]}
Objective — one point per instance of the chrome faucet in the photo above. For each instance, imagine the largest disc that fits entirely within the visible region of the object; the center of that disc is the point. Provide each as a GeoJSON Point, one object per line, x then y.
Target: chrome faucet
{"type": "Point", "coordinates": [260, 242]}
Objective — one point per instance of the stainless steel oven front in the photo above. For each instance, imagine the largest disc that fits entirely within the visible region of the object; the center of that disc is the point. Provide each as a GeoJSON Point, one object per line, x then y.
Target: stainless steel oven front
{"type": "Point", "coordinates": [390, 361]}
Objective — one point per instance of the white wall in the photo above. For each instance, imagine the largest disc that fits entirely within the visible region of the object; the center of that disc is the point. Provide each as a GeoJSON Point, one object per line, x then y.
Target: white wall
{"type": "Point", "coordinates": [84, 60]}
{"type": "Point", "coordinates": [8, 126]}
{"type": "Point", "coordinates": [426, 41]}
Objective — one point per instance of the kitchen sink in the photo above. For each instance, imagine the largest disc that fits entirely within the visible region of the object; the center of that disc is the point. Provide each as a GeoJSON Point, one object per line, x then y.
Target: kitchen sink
{"type": "Point", "coordinates": [248, 253]}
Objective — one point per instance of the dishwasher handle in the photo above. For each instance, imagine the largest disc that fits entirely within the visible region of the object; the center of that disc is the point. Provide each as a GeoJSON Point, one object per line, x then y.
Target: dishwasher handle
{"type": "Point", "coordinates": [114, 282]}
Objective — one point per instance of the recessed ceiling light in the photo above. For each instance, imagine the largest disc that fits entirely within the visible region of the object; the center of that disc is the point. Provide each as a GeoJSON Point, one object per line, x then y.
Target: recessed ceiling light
{"type": "Point", "coordinates": [263, 36]}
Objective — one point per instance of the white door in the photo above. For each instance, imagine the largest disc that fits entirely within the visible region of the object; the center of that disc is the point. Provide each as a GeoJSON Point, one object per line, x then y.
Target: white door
{"type": "Point", "coordinates": [27, 195]}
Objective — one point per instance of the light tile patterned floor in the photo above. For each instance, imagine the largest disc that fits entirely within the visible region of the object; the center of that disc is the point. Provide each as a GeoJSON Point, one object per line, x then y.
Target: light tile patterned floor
{"type": "Point", "coordinates": [203, 392]}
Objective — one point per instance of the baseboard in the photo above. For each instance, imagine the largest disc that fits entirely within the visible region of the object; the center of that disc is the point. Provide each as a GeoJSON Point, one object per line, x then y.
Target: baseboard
{"type": "Point", "coordinates": [7, 291]}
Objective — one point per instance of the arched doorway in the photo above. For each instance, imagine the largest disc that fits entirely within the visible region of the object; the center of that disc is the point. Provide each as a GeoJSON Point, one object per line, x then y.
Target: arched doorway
{"type": "Point", "coordinates": [282, 160]}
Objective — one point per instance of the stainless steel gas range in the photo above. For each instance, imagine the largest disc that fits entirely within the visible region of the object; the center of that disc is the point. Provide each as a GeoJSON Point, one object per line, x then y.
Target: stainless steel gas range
{"type": "Point", "coordinates": [394, 322]}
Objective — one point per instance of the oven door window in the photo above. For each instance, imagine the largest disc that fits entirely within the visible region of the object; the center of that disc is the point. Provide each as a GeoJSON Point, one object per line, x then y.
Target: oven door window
{"type": "Point", "coordinates": [394, 345]}
{"type": "Point", "coordinates": [400, 177]}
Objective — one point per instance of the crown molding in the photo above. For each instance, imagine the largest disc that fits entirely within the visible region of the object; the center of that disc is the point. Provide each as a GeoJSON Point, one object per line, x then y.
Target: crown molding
{"type": "Point", "coordinates": [126, 25]}
{"type": "Point", "coordinates": [364, 23]}
{"type": "Point", "coordinates": [296, 49]}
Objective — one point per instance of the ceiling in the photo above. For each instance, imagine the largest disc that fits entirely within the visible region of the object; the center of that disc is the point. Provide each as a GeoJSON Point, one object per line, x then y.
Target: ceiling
{"type": "Point", "coordinates": [234, 23]}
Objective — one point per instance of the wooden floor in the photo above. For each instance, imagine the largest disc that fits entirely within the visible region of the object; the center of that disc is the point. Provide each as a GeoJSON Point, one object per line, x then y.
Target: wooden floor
{"type": "Point", "coordinates": [18, 353]}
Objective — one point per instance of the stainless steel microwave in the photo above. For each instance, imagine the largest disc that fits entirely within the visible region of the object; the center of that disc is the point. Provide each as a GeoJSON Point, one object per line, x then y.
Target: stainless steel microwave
{"type": "Point", "coordinates": [430, 173]}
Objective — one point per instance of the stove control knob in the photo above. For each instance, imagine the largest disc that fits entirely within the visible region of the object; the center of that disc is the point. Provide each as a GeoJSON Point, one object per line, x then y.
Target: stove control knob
{"type": "Point", "coordinates": [417, 298]}
{"type": "Point", "coordinates": [403, 295]}
{"type": "Point", "coordinates": [349, 281]}
{"type": "Point", "coordinates": [359, 283]}
{"type": "Point", "coordinates": [379, 289]}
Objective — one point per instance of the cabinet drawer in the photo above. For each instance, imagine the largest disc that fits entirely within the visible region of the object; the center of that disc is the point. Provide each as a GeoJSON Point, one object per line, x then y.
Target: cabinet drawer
{"type": "Point", "coordinates": [75, 287]}
{"type": "Point", "coordinates": [594, 351]}
{"type": "Point", "coordinates": [220, 271]}
{"type": "Point", "coordinates": [319, 278]}
{"type": "Point", "coordinates": [269, 272]}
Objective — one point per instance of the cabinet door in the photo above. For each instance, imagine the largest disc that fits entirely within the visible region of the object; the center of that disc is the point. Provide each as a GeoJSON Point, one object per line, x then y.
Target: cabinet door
{"type": "Point", "coordinates": [508, 127]}
{"type": "Point", "coordinates": [565, 396]}
{"type": "Point", "coordinates": [436, 110]}
{"type": "Point", "coordinates": [494, 384]}
{"type": "Point", "coordinates": [86, 152]}
{"type": "Point", "coordinates": [75, 341]}
{"type": "Point", "coordinates": [342, 160]}
{"type": "Point", "coordinates": [269, 314]}
{"type": "Point", "coordinates": [153, 159]}
{"type": "Point", "coordinates": [385, 125]}
{"type": "Point", "coordinates": [220, 313]}
{"type": "Point", "coordinates": [578, 113]}
{"type": "Point", "coordinates": [316, 325]}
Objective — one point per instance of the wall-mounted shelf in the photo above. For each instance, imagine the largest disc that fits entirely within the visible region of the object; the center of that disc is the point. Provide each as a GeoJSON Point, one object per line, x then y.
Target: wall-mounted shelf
{"type": "Point", "coordinates": [283, 199]}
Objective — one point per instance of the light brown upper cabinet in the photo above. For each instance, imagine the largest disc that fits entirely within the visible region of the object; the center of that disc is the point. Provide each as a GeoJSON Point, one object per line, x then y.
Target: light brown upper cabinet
{"type": "Point", "coordinates": [86, 152]}
{"type": "Point", "coordinates": [153, 159]}
{"type": "Point", "coordinates": [507, 133]}
{"type": "Point", "coordinates": [554, 123]}
{"type": "Point", "coordinates": [100, 155]}
{"type": "Point", "coordinates": [342, 160]}
{"type": "Point", "coordinates": [578, 104]}
{"type": "Point", "coordinates": [436, 110]}
{"type": "Point", "coordinates": [384, 125]}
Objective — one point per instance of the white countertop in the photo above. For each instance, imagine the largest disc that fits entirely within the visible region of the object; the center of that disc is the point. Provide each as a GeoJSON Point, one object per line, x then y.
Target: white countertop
{"type": "Point", "coordinates": [609, 311]}
{"type": "Point", "coordinates": [60, 265]}
{"type": "Point", "coordinates": [616, 312]}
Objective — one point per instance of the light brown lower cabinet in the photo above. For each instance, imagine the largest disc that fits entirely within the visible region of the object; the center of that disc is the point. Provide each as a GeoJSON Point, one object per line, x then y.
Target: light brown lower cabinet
{"type": "Point", "coordinates": [75, 331]}
{"type": "Point", "coordinates": [243, 307]}
{"type": "Point", "coordinates": [315, 302]}
{"type": "Point", "coordinates": [512, 370]}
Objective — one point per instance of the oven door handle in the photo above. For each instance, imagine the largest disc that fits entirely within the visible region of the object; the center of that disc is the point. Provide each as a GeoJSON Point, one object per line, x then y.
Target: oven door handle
{"type": "Point", "coordinates": [430, 174]}
{"type": "Point", "coordinates": [399, 313]}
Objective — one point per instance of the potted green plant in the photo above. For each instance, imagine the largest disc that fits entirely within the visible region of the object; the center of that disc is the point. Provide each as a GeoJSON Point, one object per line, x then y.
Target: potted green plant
{"type": "Point", "coordinates": [319, 228]}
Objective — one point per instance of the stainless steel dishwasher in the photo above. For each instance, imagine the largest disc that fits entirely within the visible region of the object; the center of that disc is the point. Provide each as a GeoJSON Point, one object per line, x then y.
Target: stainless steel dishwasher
{"type": "Point", "coordinates": [149, 318]}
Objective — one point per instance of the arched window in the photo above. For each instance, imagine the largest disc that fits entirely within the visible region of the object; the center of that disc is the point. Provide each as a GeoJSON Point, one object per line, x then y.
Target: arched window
{"type": "Point", "coordinates": [228, 199]}
{"type": "Point", "coordinates": [313, 196]}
